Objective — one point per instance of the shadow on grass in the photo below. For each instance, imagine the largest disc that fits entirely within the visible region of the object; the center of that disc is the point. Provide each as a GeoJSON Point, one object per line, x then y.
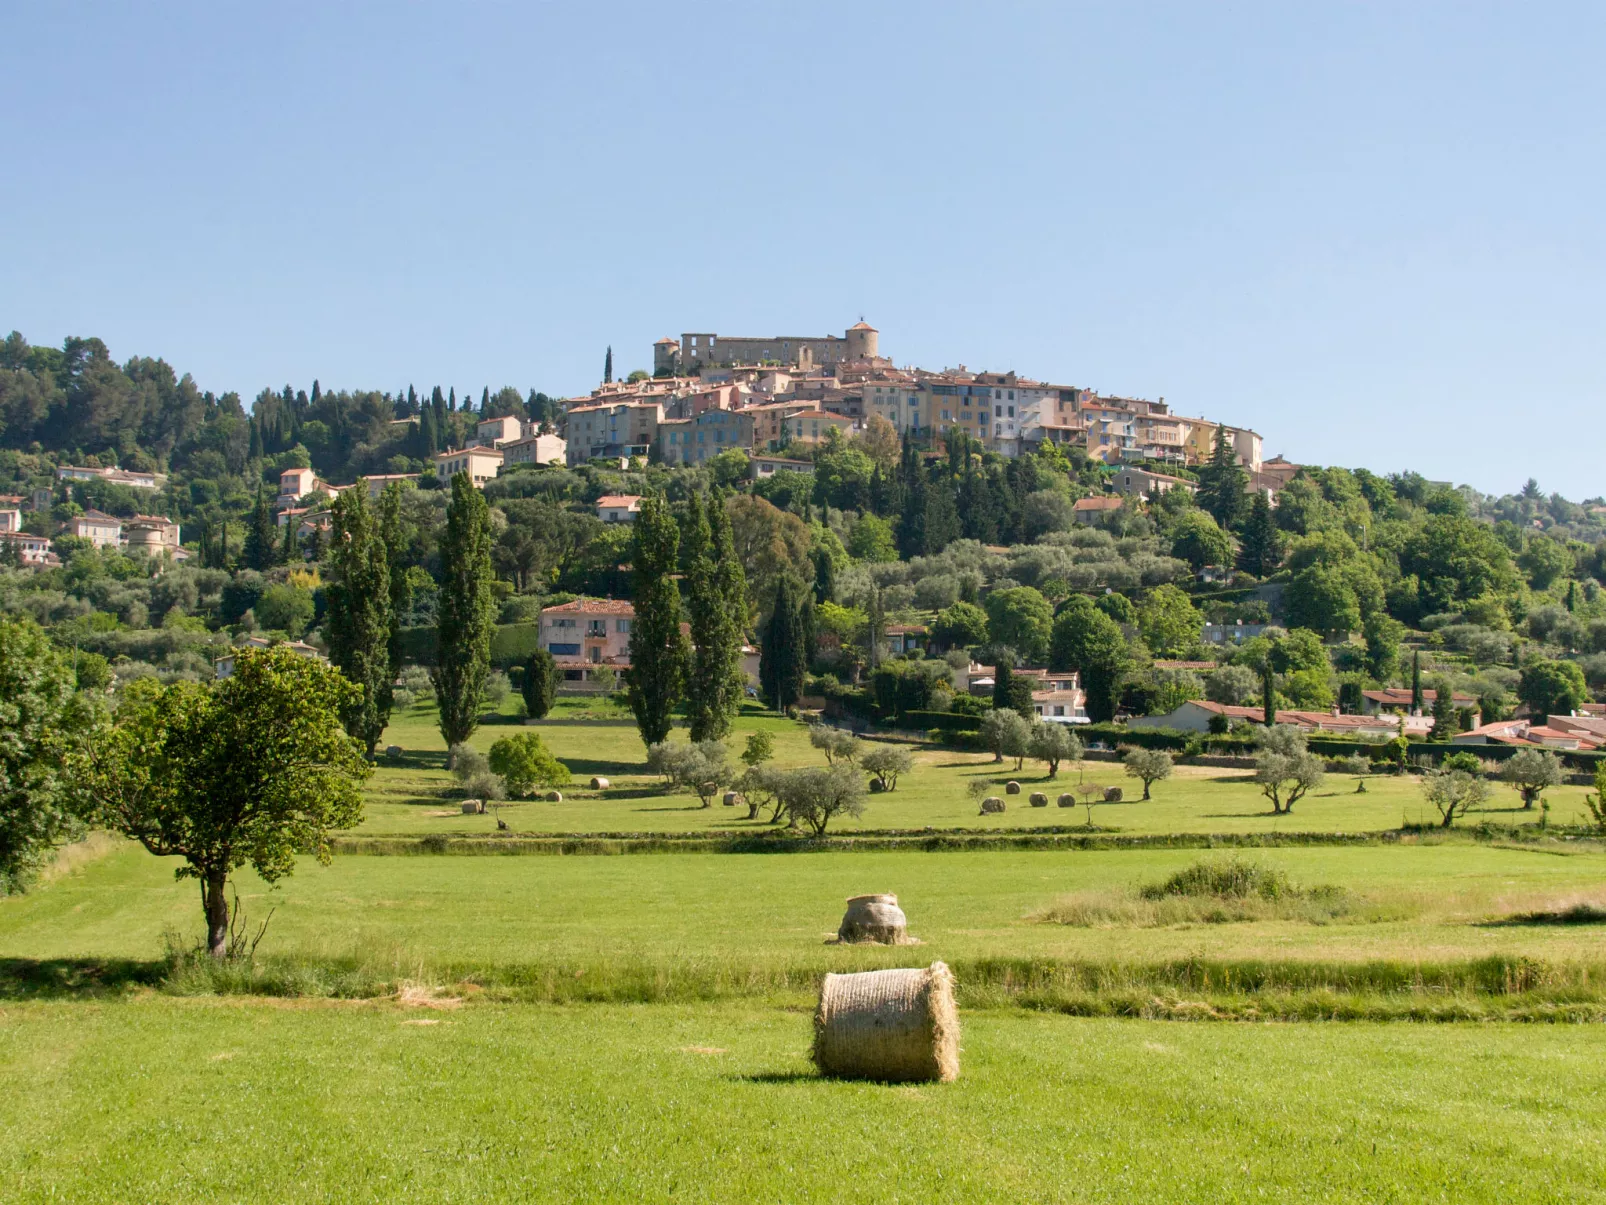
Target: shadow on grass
{"type": "Point", "coordinates": [75, 978]}
{"type": "Point", "coordinates": [1240, 815]}
{"type": "Point", "coordinates": [412, 759]}
{"type": "Point", "coordinates": [585, 767]}
{"type": "Point", "coordinates": [1578, 914]}
{"type": "Point", "coordinates": [779, 1077]}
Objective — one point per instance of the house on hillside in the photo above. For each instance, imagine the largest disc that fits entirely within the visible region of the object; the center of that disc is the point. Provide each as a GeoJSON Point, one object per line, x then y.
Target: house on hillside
{"type": "Point", "coordinates": [618, 508]}
{"type": "Point", "coordinates": [223, 667]}
{"type": "Point", "coordinates": [100, 529]}
{"type": "Point", "coordinates": [585, 635]}
{"type": "Point", "coordinates": [481, 465]}
{"type": "Point", "coordinates": [33, 551]}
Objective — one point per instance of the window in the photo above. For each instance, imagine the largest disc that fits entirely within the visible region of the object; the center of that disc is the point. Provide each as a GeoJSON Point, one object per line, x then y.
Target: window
{"type": "Point", "coordinates": [1011, 412]}
{"type": "Point", "coordinates": [998, 412]}
{"type": "Point", "coordinates": [563, 650]}
{"type": "Point", "coordinates": [621, 625]}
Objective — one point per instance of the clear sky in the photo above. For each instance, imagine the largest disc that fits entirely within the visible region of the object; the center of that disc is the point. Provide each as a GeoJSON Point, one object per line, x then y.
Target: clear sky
{"type": "Point", "coordinates": [1371, 231]}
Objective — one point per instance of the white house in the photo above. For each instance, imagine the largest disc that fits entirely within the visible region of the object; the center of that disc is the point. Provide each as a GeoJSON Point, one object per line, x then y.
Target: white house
{"type": "Point", "coordinates": [618, 508]}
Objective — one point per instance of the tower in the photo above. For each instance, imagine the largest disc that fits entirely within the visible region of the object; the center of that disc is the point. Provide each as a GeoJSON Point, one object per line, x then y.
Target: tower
{"type": "Point", "coordinates": [862, 341]}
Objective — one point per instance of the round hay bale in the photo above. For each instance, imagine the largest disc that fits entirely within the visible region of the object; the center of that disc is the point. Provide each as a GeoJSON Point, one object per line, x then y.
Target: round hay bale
{"type": "Point", "coordinates": [1066, 801]}
{"type": "Point", "coordinates": [991, 804]}
{"type": "Point", "coordinates": [732, 798]}
{"type": "Point", "coordinates": [894, 1026]}
{"type": "Point", "coordinates": [554, 796]}
{"type": "Point", "coordinates": [874, 918]}
{"type": "Point", "coordinates": [473, 806]}
{"type": "Point", "coordinates": [1012, 787]}
{"type": "Point", "coordinates": [1112, 795]}
{"type": "Point", "coordinates": [599, 784]}
{"type": "Point", "coordinates": [875, 786]}
{"type": "Point", "coordinates": [393, 750]}
{"type": "Point", "coordinates": [1038, 799]}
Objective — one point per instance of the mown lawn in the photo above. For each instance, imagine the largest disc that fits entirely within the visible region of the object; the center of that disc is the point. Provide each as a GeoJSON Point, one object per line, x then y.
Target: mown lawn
{"type": "Point", "coordinates": [415, 796]}
{"type": "Point", "coordinates": [156, 1099]}
{"type": "Point", "coordinates": [736, 911]}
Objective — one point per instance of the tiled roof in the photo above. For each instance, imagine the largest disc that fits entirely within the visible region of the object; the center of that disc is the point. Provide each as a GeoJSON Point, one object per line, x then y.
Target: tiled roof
{"type": "Point", "coordinates": [628, 500]}
{"type": "Point", "coordinates": [592, 606]}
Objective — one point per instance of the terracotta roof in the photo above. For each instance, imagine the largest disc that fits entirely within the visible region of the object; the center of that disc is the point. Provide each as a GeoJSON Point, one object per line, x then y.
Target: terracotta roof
{"type": "Point", "coordinates": [1184, 665]}
{"type": "Point", "coordinates": [626, 500]}
{"type": "Point", "coordinates": [1397, 696]}
{"type": "Point", "coordinates": [1100, 502]}
{"type": "Point", "coordinates": [861, 325]}
{"type": "Point", "coordinates": [591, 606]}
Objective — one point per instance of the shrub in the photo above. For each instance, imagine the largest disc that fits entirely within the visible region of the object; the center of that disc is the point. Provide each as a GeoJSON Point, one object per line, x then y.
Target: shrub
{"type": "Point", "coordinates": [484, 785]}
{"type": "Point", "coordinates": [525, 763]}
{"type": "Point", "coordinates": [467, 761]}
{"type": "Point", "coordinates": [1223, 878]}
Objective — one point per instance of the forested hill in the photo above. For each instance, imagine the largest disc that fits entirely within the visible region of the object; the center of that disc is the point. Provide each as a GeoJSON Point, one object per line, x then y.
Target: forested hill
{"type": "Point", "coordinates": [76, 404]}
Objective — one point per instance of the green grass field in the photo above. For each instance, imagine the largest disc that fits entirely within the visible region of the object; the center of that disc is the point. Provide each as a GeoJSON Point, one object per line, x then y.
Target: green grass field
{"type": "Point", "coordinates": [636, 1027]}
{"type": "Point", "coordinates": [202, 1100]}
{"type": "Point", "coordinates": [415, 798]}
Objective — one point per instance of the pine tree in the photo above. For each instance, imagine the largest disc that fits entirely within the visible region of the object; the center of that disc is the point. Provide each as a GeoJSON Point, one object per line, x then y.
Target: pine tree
{"type": "Point", "coordinates": [358, 623]}
{"type": "Point", "coordinates": [467, 613]}
{"type": "Point", "coordinates": [658, 652]}
{"type": "Point", "coordinates": [1260, 551]}
{"type": "Point", "coordinates": [1222, 484]}
{"type": "Point", "coordinates": [607, 366]}
{"type": "Point", "coordinates": [260, 545]}
{"type": "Point", "coordinates": [717, 604]}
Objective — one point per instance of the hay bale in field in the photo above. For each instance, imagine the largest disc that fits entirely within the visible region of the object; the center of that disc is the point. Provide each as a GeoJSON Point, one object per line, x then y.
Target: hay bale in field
{"type": "Point", "coordinates": [1012, 787]}
{"type": "Point", "coordinates": [554, 796]}
{"type": "Point", "coordinates": [474, 807]}
{"type": "Point", "coordinates": [599, 784]}
{"type": "Point", "coordinates": [874, 918]}
{"type": "Point", "coordinates": [1066, 801]}
{"type": "Point", "coordinates": [1038, 799]}
{"type": "Point", "coordinates": [897, 1026]}
{"type": "Point", "coordinates": [732, 798]}
{"type": "Point", "coordinates": [1112, 794]}
{"type": "Point", "coordinates": [393, 750]}
{"type": "Point", "coordinates": [991, 805]}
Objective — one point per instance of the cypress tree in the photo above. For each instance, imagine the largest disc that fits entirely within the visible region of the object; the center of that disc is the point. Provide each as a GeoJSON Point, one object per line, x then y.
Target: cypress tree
{"type": "Point", "coordinates": [260, 544]}
{"type": "Point", "coordinates": [428, 437]}
{"type": "Point", "coordinates": [824, 576]}
{"type": "Point", "coordinates": [942, 518]}
{"type": "Point", "coordinates": [1260, 551]}
{"type": "Point", "coordinates": [607, 366]}
{"type": "Point", "coordinates": [658, 652]}
{"type": "Point", "coordinates": [782, 665]}
{"type": "Point", "coordinates": [451, 400]}
{"type": "Point", "coordinates": [717, 604]}
{"type": "Point", "coordinates": [401, 590]}
{"type": "Point", "coordinates": [255, 452]}
{"type": "Point", "coordinates": [358, 621]}
{"type": "Point", "coordinates": [316, 391]}
{"type": "Point", "coordinates": [485, 400]}
{"type": "Point", "coordinates": [1268, 696]}
{"type": "Point", "coordinates": [1003, 684]}
{"type": "Point", "coordinates": [540, 685]}
{"type": "Point", "coordinates": [467, 613]}
{"type": "Point", "coordinates": [290, 551]}
{"type": "Point", "coordinates": [1416, 682]}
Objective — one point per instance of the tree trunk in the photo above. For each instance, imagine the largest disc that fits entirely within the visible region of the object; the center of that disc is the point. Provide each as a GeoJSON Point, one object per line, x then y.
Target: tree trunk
{"type": "Point", "coordinates": [1145, 792]}
{"type": "Point", "coordinates": [216, 903]}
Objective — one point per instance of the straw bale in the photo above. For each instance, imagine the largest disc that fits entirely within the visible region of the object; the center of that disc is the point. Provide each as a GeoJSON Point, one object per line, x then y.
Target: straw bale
{"type": "Point", "coordinates": [874, 918]}
{"type": "Point", "coordinates": [393, 750]}
{"type": "Point", "coordinates": [732, 798]}
{"type": "Point", "coordinates": [474, 806]}
{"type": "Point", "coordinates": [991, 804]}
{"type": "Point", "coordinates": [599, 784]}
{"type": "Point", "coordinates": [1066, 801]}
{"type": "Point", "coordinates": [554, 796]}
{"type": "Point", "coordinates": [1112, 794]}
{"type": "Point", "coordinates": [895, 1026]}
{"type": "Point", "coordinates": [1012, 787]}
{"type": "Point", "coordinates": [1038, 799]}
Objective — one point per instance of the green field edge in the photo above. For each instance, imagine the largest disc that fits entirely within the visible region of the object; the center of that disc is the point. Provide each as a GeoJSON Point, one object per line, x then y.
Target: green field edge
{"type": "Point", "coordinates": [935, 840]}
{"type": "Point", "coordinates": [1491, 988]}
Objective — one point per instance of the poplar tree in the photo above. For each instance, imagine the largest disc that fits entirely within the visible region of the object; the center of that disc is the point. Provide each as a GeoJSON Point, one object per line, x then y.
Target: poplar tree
{"type": "Point", "coordinates": [658, 652]}
{"type": "Point", "coordinates": [717, 605]}
{"type": "Point", "coordinates": [467, 613]}
{"type": "Point", "coordinates": [358, 622]}
{"type": "Point", "coordinates": [260, 545]}
{"type": "Point", "coordinates": [401, 590]}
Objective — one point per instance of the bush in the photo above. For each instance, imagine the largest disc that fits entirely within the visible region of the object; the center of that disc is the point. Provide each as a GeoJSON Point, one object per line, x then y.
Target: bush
{"type": "Point", "coordinates": [1225, 878]}
{"type": "Point", "coordinates": [484, 785]}
{"type": "Point", "coordinates": [526, 764]}
{"type": "Point", "coordinates": [467, 761]}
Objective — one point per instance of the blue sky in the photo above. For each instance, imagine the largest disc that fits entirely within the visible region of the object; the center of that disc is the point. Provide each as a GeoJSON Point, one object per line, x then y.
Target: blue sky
{"type": "Point", "coordinates": [1373, 232]}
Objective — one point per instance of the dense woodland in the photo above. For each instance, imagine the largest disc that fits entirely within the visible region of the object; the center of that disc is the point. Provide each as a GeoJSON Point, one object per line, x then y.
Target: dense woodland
{"type": "Point", "coordinates": [1367, 579]}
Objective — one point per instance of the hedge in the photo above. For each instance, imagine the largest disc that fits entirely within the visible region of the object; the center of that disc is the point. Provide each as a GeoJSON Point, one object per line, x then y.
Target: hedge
{"type": "Point", "coordinates": [511, 644]}
{"type": "Point", "coordinates": [941, 721]}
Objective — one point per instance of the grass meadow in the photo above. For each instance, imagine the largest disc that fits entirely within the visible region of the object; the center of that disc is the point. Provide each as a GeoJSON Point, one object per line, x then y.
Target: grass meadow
{"type": "Point", "coordinates": [635, 1027]}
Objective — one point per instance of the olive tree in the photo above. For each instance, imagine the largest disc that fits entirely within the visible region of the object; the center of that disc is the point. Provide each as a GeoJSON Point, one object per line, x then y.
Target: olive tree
{"type": "Point", "coordinates": [837, 744]}
{"type": "Point", "coordinates": [886, 763]}
{"type": "Point", "coordinates": [1052, 744]}
{"type": "Point", "coordinates": [1285, 769]}
{"type": "Point", "coordinates": [254, 769]}
{"type": "Point", "coordinates": [1530, 772]}
{"type": "Point", "coordinates": [815, 795]}
{"type": "Point", "coordinates": [1006, 733]}
{"type": "Point", "coordinates": [1454, 793]}
{"type": "Point", "coordinates": [1151, 765]}
{"type": "Point", "coordinates": [699, 768]}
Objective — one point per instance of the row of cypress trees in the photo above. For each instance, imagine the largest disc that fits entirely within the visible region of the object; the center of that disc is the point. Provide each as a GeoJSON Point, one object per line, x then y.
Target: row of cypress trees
{"type": "Point", "coordinates": [664, 664]}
